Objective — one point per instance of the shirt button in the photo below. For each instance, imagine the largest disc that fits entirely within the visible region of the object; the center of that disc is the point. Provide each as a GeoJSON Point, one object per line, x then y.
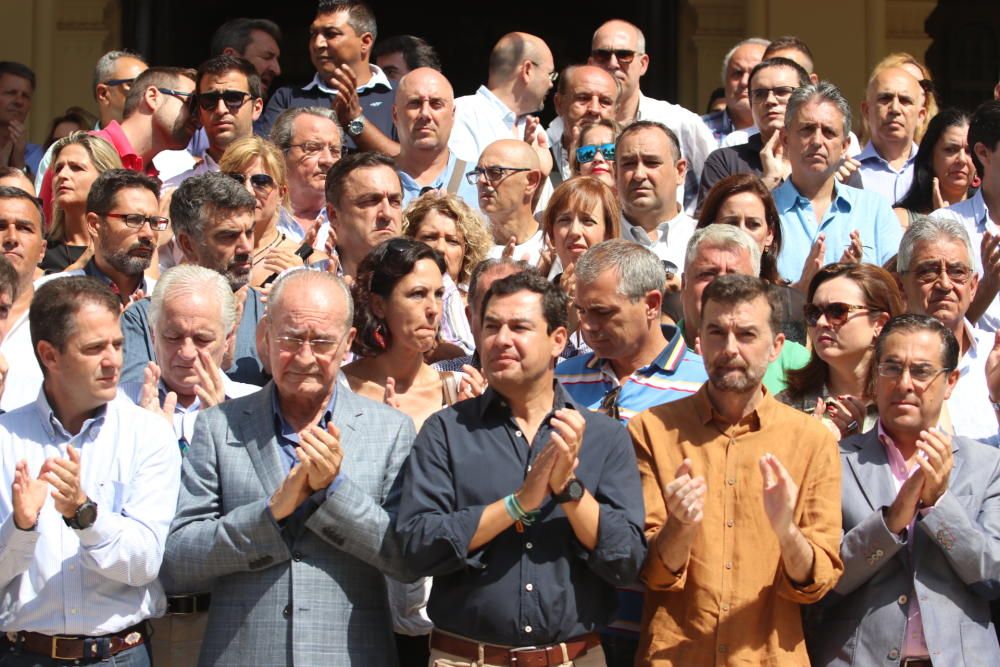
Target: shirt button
{"type": "Point", "coordinates": [517, 433]}
{"type": "Point", "coordinates": [296, 556]}
{"type": "Point", "coordinates": [879, 553]}
{"type": "Point", "coordinates": [72, 568]}
{"type": "Point", "coordinates": [902, 599]}
{"type": "Point", "coordinates": [723, 648]}
{"type": "Point", "coordinates": [529, 587]}
{"type": "Point", "coordinates": [527, 628]}
{"type": "Point", "coordinates": [729, 565]}
{"type": "Point", "coordinates": [729, 523]}
{"type": "Point", "coordinates": [731, 482]}
{"type": "Point", "coordinates": [73, 610]}
{"type": "Point", "coordinates": [287, 611]}
{"type": "Point", "coordinates": [528, 545]}
{"type": "Point", "coordinates": [725, 607]}
{"type": "Point", "coordinates": [893, 654]}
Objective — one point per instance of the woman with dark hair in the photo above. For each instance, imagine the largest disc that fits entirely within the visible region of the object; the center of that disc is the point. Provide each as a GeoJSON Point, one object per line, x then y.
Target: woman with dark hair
{"type": "Point", "coordinates": [848, 305]}
{"type": "Point", "coordinates": [397, 314]}
{"type": "Point", "coordinates": [943, 172]}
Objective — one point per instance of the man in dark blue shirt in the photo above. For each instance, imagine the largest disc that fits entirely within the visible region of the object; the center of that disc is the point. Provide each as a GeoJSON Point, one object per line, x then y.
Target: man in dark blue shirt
{"type": "Point", "coordinates": [340, 44]}
{"type": "Point", "coordinates": [525, 508]}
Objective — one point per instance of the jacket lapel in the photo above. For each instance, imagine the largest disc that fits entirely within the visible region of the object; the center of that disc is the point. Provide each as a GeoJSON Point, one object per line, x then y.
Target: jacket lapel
{"type": "Point", "coordinates": [870, 466]}
{"type": "Point", "coordinates": [256, 432]}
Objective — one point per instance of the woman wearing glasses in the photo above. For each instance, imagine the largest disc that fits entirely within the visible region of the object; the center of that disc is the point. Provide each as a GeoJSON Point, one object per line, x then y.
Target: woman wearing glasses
{"type": "Point", "coordinates": [848, 304]}
{"type": "Point", "coordinates": [595, 155]}
{"type": "Point", "coordinates": [259, 166]}
{"type": "Point", "coordinates": [77, 161]}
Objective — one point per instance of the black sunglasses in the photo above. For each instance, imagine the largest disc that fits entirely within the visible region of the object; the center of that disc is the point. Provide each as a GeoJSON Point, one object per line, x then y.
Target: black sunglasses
{"type": "Point", "coordinates": [233, 99]}
{"type": "Point", "coordinates": [257, 181]}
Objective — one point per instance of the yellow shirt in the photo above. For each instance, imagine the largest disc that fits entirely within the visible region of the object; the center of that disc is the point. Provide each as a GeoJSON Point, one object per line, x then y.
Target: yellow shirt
{"type": "Point", "coordinates": [733, 604]}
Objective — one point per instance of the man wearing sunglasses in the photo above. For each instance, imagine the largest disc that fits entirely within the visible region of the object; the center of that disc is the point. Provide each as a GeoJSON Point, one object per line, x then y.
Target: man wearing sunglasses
{"type": "Point", "coordinates": [940, 279]}
{"type": "Point", "coordinates": [123, 220]}
{"type": "Point", "coordinates": [921, 520]}
{"type": "Point", "coordinates": [619, 47]}
{"type": "Point", "coordinates": [585, 94]}
{"type": "Point", "coordinates": [228, 101]}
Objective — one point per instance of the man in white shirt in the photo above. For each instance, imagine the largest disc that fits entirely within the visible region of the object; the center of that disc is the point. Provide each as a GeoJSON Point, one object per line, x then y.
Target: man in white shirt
{"type": "Point", "coordinates": [620, 48]}
{"type": "Point", "coordinates": [23, 246]}
{"type": "Point", "coordinates": [649, 166]}
{"type": "Point", "coordinates": [89, 486]}
{"type": "Point", "coordinates": [507, 177]}
{"type": "Point", "coordinates": [894, 106]}
{"type": "Point", "coordinates": [586, 94]}
{"type": "Point", "coordinates": [940, 280]}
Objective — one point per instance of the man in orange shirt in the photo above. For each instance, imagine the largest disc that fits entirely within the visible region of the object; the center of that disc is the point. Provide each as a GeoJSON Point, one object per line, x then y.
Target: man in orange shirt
{"type": "Point", "coordinates": [742, 500]}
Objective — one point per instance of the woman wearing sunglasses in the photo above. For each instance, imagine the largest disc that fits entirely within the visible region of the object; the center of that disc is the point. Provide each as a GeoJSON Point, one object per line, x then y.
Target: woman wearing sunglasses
{"type": "Point", "coordinates": [848, 304]}
{"type": "Point", "coordinates": [595, 155]}
{"type": "Point", "coordinates": [259, 166]}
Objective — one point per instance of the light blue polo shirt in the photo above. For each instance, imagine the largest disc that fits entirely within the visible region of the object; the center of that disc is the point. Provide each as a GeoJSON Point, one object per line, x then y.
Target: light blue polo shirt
{"type": "Point", "coordinates": [468, 193]}
{"type": "Point", "coordinates": [850, 209]}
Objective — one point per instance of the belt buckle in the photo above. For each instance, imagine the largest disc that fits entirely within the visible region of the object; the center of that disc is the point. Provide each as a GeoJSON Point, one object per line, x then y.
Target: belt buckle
{"type": "Point", "coordinates": [521, 649]}
{"type": "Point", "coordinates": [54, 653]}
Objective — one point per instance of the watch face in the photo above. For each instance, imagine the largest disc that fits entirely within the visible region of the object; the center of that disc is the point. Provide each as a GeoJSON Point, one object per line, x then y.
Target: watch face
{"type": "Point", "coordinates": [355, 127]}
{"type": "Point", "coordinates": [86, 515]}
{"type": "Point", "coordinates": [575, 489]}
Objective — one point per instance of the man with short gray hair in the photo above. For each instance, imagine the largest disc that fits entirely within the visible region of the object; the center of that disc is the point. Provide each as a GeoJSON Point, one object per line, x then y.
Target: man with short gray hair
{"type": "Point", "coordinates": [737, 64]}
{"type": "Point", "coordinates": [636, 363]}
{"type": "Point", "coordinates": [940, 279]}
{"type": "Point", "coordinates": [823, 220]}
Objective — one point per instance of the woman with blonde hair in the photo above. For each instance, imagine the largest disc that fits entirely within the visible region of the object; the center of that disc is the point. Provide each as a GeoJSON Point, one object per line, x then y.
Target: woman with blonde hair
{"type": "Point", "coordinates": [259, 166]}
{"type": "Point", "coordinates": [77, 160]}
{"type": "Point", "coordinates": [450, 226]}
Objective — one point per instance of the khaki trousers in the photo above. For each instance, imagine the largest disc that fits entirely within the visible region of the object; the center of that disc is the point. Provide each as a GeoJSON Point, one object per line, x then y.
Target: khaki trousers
{"type": "Point", "coordinates": [177, 639]}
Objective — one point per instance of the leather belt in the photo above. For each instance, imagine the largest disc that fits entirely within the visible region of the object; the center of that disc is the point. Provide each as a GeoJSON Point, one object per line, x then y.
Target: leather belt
{"type": "Point", "coordinates": [58, 647]}
{"type": "Point", "coordinates": [916, 662]}
{"type": "Point", "coordinates": [188, 604]}
{"type": "Point", "coordinates": [533, 656]}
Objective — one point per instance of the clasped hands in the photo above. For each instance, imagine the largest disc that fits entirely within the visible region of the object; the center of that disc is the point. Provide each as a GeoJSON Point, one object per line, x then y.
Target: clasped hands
{"type": "Point", "coordinates": [320, 458]}
{"type": "Point", "coordinates": [28, 493]}
{"type": "Point", "coordinates": [554, 466]}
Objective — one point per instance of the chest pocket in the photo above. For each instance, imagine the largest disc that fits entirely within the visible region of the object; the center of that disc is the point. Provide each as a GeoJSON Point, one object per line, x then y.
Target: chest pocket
{"type": "Point", "coordinates": [110, 496]}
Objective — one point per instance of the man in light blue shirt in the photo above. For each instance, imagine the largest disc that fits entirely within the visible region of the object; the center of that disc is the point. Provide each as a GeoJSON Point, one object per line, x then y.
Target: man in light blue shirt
{"type": "Point", "coordinates": [89, 486]}
{"type": "Point", "coordinates": [818, 215]}
{"type": "Point", "coordinates": [894, 107]}
{"type": "Point", "coordinates": [424, 114]}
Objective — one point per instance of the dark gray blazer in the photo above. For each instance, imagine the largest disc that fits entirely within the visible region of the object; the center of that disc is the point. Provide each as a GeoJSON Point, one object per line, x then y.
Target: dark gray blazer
{"type": "Point", "coordinates": [314, 595]}
{"type": "Point", "coordinates": [953, 568]}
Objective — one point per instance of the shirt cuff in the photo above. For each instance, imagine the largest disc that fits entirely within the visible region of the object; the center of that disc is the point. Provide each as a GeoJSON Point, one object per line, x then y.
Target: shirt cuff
{"type": "Point", "coordinates": [337, 482]}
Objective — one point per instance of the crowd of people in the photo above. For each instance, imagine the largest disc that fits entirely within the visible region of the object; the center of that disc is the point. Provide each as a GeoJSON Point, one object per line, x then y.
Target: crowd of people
{"type": "Point", "coordinates": [359, 372]}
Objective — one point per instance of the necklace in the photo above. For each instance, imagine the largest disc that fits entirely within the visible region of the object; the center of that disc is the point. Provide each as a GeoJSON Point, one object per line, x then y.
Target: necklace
{"type": "Point", "coordinates": [278, 238]}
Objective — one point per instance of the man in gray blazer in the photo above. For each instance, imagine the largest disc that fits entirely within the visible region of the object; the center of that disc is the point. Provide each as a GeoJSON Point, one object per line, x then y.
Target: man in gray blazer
{"type": "Point", "coordinates": [285, 507]}
{"type": "Point", "coordinates": [921, 512]}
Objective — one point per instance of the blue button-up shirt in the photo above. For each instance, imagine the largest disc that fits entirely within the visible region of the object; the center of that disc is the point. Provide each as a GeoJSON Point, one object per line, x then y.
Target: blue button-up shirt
{"type": "Point", "coordinates": [720, 124]}
{"type": "Point", "coordinates": [56, 580]}
{"type": "Point", "coordinates": [879, 176]}
{"type": "Point", "coordinates": [850, 209]}
{"type": "Point", "coordinates": [676, 372]}
{"type": "Point", "coordinates": [468, 193]}
{"type": "Point", "coordinates": [535, 585]}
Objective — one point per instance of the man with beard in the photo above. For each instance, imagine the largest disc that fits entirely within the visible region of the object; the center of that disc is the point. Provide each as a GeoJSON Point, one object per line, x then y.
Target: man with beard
{"type": "Point", "coordinates": [123, 220]}
{"type": "Point", "coordinates": [212, 217]}
{"type": "Point", "coordinates": [742, 499]}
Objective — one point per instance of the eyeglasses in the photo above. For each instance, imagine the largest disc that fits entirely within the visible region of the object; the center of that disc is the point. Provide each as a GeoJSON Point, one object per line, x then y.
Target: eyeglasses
{"type": "Point", "coordinates": [609, 404]}
{"type": "Point", "coordinates": [233, 99]}
{"type": "Point", "coordinates": [314, 148]}
{"type": "Point", "coordinates": [124, 83]}
{"type": "Point", "coordinates": [321, 347]}
{"type": "Point", "coordinates": [179, 94]}
{"type": "Point", "coordinates": [930, 272]}
{"type": "Point", "coordinates": [624, 56]}
{"type": "Point", "coordinates": [587, 153]}
{"type": "Point", "coordinates": [136, 220]}
{"type": "Point", "coordinates": [837, 313]}
{"type": "Point", "coordinates": [257, 181]}
{"type": "Point", "coordinates": [553, 75]}
{"type": "Point", "coordinates": [669, 268]}
{"type": "Point", "coordinates": [492, 174]}
{"type": "Point", "coordinates": [780, 93]}
{"type": "Point", "coordinates": [920, 373]}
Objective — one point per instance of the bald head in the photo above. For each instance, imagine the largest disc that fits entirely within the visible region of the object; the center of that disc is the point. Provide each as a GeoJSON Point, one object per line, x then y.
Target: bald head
{"type": "Point", "coordinates": [510, 153]}
{"type": "Point", "coordinates": [617, 38]}
{"type": "Point", "coordinates": [894, 109]}
{"type": "Point", "coordinates": [619, 27]}
{"type": "Point", "coordinates": [506, 193]}
{"type": "Point", "coordinates": [586, 94]}
{"type": "Point", "coordinates": [424, 112]}
{"type": "Point", "coordinates": [512, 51]}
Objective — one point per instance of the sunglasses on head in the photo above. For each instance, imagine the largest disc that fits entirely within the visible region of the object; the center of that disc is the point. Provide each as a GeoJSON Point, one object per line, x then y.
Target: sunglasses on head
{"type": "Point", "coordinates": [257, 181]}
{"type": "Point", "coordinates": [233, 99]}
{"type": "Point", "coordinates": [589, 152]}
{"type": "Point", "coordinates": [836, 313]}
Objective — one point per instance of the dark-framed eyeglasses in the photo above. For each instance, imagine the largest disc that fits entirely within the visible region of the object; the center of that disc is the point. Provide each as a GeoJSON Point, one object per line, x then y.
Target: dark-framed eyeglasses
{"type": "Point", "coordinates": [623, 56]}
{"type": "Point", "coordinates": [922, 374]}
{"type": "Point", "coordinates": [587, 153]}
{"type": "Point", "coordinates": [321, 347]}
{"type": "Point", "coordinates": [836, 312]}
{"type": "Point", "coordinates": [493, 173]}
{"type": "Point", "coordinates": [931, 272]}
{"type": "Point", "coordinates": [136, 220]}
{"type": "Point", "coordinates": [781, 93]}
{"type": "Point", "coordinates": [257, 181]}
{"type": "Point", "coordinates": [314, 148]}
{"type": "Point", "coordinates": [124, 83]}
{"type": "Point", "coordinates": [233, 99]}
{"type": "Point", "coordinates": [183, 96]}
{"type": "Point", "coordinates": [609, 404]}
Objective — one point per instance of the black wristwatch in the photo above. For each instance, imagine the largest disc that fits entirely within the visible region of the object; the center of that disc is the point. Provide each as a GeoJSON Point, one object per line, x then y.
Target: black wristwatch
{"type": "Point", "coordinates": [574, 491]}
{"type": "Point", "coordinates": [86, 515]}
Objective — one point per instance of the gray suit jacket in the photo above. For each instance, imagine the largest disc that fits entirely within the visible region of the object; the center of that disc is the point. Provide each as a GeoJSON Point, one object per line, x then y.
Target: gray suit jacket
{"type": "Point", "coordinates": [314, 595]}
{"type": "Point", "coordinates": [952, 565]}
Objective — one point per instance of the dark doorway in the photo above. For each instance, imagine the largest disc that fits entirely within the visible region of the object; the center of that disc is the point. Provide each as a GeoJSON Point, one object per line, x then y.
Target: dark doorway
{"type": "Point", "coordinates": [965, 54]}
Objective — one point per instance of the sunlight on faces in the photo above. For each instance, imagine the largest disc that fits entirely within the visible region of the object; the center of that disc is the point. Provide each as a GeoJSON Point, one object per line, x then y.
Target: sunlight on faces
{"type": "Point", "coordinates": [309, 171]}
{"type": "Point", "coordinates": [647, 175]}
{"type": "Point", "coordinates": [612, 325]}
{"type": "Point", "coordinates": [599, 166]}
{"type": "Point", "coordinates": [850, 341]}
{"type": "Point", "coordinates": [263, 53]}
{"type": "Point", "coordinates": [515, 348]}
{"type": "Point", "coordinates": [574, 231]}
{"type": "Point", "coordinates": [21, 236]}
{"type": "Point", "coordinates": [710, 263]}
{"type": "Point", "coordinates": [943, 299]}
{"type": "Point", "coordinates": [412, 312]}
{"type": "Point", "coordinates": [332, 42]}
{"type": "Point", "coordinates": [86, 370]}
{"type": "Point", "coordinates": [424, 111]}
{"type": "Point", "coordinates": [442, 233]}
{"type": "Point", "coordinates": [815, 142]}
{"type": "Point", "coordinates": [507, 195]}
{"type": "Point", "coordinates": [615, 36]}
{"type": "Point", "coordinates": [189, 321]}
{"type": "Point", "coordinates": [737, 80]}
{"type": "Point", "coordinates": [73, 172]}
{"type": "Point", "coordinates": [267, 199]}
{"type": "Point", "coordinates": [590, 96]}
{"type": "Point", "coordinates": [746, 211]}
{"type": "Point", "coordinates": [370, 210]}
{"type": "Point", "coordinates": [173, 124]}
{"type": "Point", "coordinates": [905, 406]}
{"type": "Point", "coordinates": [125, 248]}
{"type": "Point", "coordinates": [952, 161]}
{"type": "Point", "coordinates": [222, 126]}
{"type": "Point", "coordinates": [737, 344]}
{"type": "Point", "coordinates": [226, 246]}
{"type": "Point", "coordinates": [894, 105]}
{"type": "Point", "coordinates": [769, 113]}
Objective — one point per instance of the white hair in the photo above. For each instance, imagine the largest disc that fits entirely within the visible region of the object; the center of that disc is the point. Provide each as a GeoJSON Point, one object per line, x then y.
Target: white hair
{"type": "Point", "coordinates": [187, 279]}
{"type": "Point", "coordinates": [926, 229]}
{"type": "Point", "coordinates": [728, 237]}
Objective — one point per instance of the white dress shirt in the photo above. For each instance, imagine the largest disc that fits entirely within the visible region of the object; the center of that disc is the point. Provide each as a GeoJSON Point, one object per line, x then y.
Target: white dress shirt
{"type": "Point", "coordinates": [206, 165]}
{"type": "Point", "coordinates": [671, 241]}
{"type": "Point", "coordinates": [24, 378]}
{"type": "Point", "coordinates": [56, 580]}
{"type": "Point", "coordinates": [969, 405]}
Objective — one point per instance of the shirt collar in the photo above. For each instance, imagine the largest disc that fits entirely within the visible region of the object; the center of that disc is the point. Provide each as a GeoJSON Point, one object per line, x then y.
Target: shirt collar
{"type": "Point", "coordinates": [377, 80]}
{"type": "Point", "coordinates": [91, 269]}
{"type": "Point", "coordinates": [869, 152]}
{"type": "Point", "coordinates": [667, 360]}
{"type": "Point", "coordinates": [787, 197]}
{"type": "Point", "coordinates": [439, 183]}
{"type": "Point", "coordinates": [54, 428]}
{"type": "Point", "coordinates": [491, 399]}
{"type": "Point", "coordinates": [758, 419]}
{"type": "Point", "coordinates": [508, 115]}
{"type": "Point", "coordinates": [284, 430]}
{"type": "Point", "coordinates": [130, 159]}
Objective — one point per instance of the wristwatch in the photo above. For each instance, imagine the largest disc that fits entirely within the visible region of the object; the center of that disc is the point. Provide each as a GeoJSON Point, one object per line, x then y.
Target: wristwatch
{"type": "Point", "coordinates": [574, 491]}
{"type": "Point", "coordinates": [86, 515]}
{"type": "Point", "coordinates": [356, 126]}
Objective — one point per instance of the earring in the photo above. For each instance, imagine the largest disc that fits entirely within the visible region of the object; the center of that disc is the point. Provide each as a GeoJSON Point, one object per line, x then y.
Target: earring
{"type": "Point", "coordinates": [379, 335]}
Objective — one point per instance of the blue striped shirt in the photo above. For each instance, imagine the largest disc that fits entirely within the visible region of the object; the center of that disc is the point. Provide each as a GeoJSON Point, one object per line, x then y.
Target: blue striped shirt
{"type": "Point", "coordinates": [675, 373]}
{"type": "Point", "coordinates": [56, 580]}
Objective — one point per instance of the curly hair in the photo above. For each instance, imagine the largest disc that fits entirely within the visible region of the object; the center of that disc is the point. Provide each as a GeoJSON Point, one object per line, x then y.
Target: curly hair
{"type": "Point", "coordinates": [469, 224]}
{"type": "Point", "coordinates": [378, 274]}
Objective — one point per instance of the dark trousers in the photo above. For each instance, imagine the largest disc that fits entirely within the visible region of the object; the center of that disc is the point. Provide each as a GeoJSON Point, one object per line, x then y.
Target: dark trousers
{"type": "Point", "coordinates": [619, 651]}
{"type": "Point", "coordinates": [413, 651]}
